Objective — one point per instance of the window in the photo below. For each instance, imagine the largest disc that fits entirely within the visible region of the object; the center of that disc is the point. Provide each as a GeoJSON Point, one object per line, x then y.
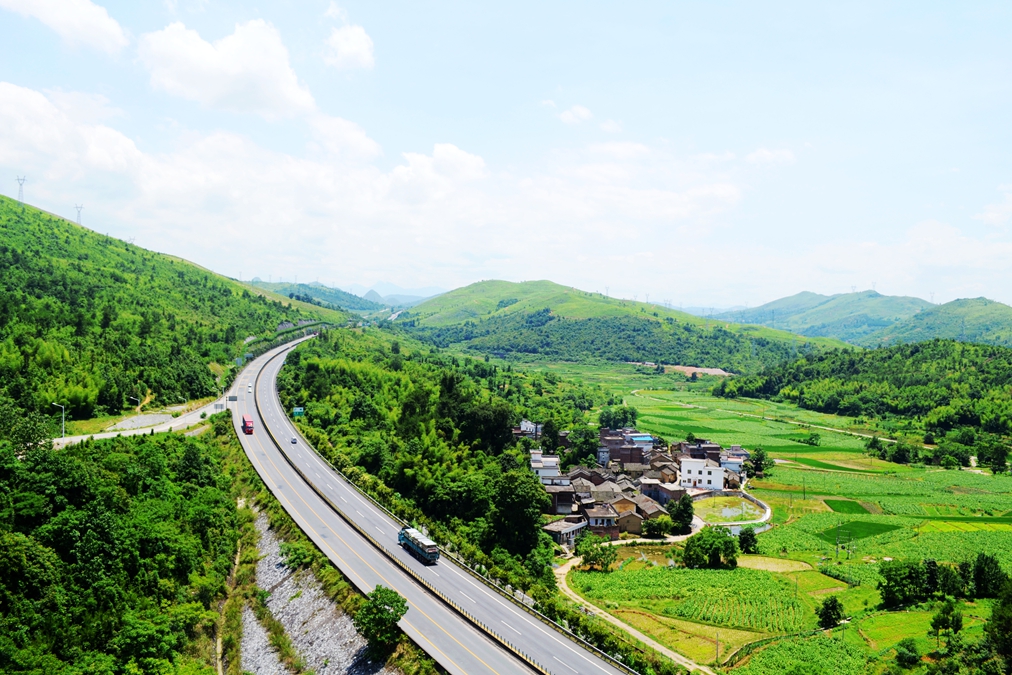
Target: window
{"type": "Point", "coordinates": [709, 473]}
{"type": "Point", "coordinates": [708, 482]}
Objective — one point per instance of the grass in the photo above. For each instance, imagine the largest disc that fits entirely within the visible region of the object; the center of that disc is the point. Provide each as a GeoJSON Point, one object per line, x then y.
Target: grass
{"type": "Point", "coordinates": [696, 640]}
{"type": "Point", "coordinates": [845, 506]}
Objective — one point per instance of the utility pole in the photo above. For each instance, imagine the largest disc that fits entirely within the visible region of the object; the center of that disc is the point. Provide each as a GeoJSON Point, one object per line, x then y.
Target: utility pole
{"type": "Point", "coordinates": [718, 648]}
{"type": "Point", "coordinates": [63, 425]}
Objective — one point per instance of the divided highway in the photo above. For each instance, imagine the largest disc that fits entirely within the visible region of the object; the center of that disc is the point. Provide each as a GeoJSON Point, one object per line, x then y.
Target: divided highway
{"type": "Point", "coordinates": [348, 528]}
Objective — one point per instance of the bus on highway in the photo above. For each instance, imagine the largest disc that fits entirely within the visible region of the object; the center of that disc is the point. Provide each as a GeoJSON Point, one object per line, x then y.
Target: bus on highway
{"type": "Point", "coordinates": [418, 545]}
{"type": "Point", "coordinates": [247, 424]}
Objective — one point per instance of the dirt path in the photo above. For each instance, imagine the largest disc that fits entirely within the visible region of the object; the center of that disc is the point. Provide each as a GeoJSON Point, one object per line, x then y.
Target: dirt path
{"type": "Point", "coordinates": [560, 577]}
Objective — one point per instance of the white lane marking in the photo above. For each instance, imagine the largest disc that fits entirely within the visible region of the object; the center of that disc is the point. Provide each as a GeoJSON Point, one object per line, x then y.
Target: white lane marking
{"type": "Point", "coordinates": [328, 486]}
{"type": "Point", "coordinates": [468, 597]}
{"type": "Point", "coordinates": [380, 531]}
{"type": "Point", "coordinates": [318, 475]}
{"type": "Point", "coordinates": [359, 512]}
{"type": "Point", "coordinates": [565, 664]}
{"type": "Point", "coordinates": [511, 627]}
{"type": "Point", "coordinates": [343, 499]}
{"type": "Point", "coordinates": [435, 572]}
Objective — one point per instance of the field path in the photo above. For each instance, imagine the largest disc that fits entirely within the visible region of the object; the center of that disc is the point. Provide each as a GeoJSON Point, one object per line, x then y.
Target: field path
{"type": "Point", "coordinates": [560, 577]}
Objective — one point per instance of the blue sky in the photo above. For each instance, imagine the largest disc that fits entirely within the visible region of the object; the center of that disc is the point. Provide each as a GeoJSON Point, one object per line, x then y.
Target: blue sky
{"type": "Point", "coordinates": [702, 153]}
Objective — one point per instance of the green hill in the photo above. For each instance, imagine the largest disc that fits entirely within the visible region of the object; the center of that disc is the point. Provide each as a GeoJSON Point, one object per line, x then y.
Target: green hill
{"type": "Point", "coordinates": [967, 320]}
{"type": "Point", "coordinates": [851, 317]}
{"type": "Point", "coordinates": [334, 297]}
{"type": "Point", "coordinates": [88, 321]}
{"type": "Point", "coordinates": [544, 318]}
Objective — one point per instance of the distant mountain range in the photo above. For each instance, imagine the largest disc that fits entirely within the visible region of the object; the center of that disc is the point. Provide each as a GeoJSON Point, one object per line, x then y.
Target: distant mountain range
{"type": "Point", "coordinates": [537, 319]}
{"type": "Point", "coordinates": [319, 292]}
{"type": "Point", "coordinates": [870, 319]}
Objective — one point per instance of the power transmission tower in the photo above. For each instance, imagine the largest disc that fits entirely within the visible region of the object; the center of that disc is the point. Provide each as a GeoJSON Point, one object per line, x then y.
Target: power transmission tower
{"type": "Point", "coordinates": [853, 289]}
{"type": "Point", "coordinates": [648, 298]}
{"type": "Point", "coordinates": [21, 189]}
{"type": "Point", "coordinates": [78, 207]}
{"type": "Point", "coordinates": [606, 291]}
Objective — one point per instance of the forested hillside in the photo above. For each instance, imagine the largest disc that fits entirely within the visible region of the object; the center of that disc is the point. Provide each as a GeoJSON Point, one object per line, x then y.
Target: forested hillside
{"type": "Point", "coordinates": [112, 554]}
{"type": "Point", "coordinates": [542, 318]}
{"type": "Point", "coordinates": [944, 384]}
{"type": "Point", "coordinates": [88, 321]}
{"type": "Point", "coordinates": [968, 320]}
{"type": "Point", "coordinates": [318, 292]}
{"type": "Point", "coordinates": [851, 317]}
{"type": "Point", "coordinates": [436, 431]}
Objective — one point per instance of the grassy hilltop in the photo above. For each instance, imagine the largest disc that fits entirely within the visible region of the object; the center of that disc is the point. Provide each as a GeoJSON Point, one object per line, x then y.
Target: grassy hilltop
{"type": "Point", "coordinates": [87, 320]}
{"type": "Point", "coordinates": [848, 316]}
{"type": "Point", "coordinates": [544, 318]}
{"type": "Point", "coordinates": [967, 320]}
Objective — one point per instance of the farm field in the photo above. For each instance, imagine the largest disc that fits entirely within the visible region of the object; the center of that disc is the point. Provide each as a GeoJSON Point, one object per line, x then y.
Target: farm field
{"type": "Point", "coordinates": [837, 515]}
{"type": "Point", "coordinates": [727, 510]}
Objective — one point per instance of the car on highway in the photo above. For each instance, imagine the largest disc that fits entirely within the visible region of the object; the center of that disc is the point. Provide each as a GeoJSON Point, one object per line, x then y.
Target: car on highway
{"type": "Point", "coordinates": [294, 440]}
{"type": "Point", "coordinates": [250, 388]}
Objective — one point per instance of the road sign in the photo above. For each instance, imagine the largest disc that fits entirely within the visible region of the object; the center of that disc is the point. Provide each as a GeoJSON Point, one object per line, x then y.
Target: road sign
{"type": "Point", "coordinates": [233, 398]}
{"type": "Point", "coordinates": [298, 412]}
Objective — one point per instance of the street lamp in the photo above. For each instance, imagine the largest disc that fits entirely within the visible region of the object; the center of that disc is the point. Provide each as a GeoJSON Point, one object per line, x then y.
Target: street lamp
{"type": "Point", "coordinates": [134, 398]}
{"type": "Point", "coordinates": [63, 422]}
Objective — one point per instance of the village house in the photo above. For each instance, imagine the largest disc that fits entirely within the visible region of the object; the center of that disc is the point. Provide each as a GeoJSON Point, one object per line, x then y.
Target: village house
{"type": "Point", "coordinates": [733, 459]}
{"type": "Point", "coordinates": [602, 520]}
{"type": "Point", "coordinates": [566, 531]}
{"type": "Point", "coordinates": [647, 507]}
{"type": "Point", "coordinates": [630, 522]}
{"type": "Point", "coordinates": [563, 497]}
{"type": "Point", "coordinates": [702, 473]}
{"type": "Point", "coordinates": [546, 467]}
{"type": "Point", "coordinates": [667, 492]}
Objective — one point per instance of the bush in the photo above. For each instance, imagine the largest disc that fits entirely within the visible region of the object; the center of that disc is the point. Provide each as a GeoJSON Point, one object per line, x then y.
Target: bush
{"type": "Point", "coordinates": [830, 612]}
{"type": "Point", "coordinates": [907, 654]}
{"type": "Point", "coordinates": [377, 618]}
{"type": "Point", "coordinates": [657, 527]}
{"type": "Point", "coordinates": [747, 541]}
{"type": "Point", "coordinates": [712, 547]}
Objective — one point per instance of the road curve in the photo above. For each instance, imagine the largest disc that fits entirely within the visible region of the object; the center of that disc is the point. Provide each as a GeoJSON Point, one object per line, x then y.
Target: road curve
{"type": "Point", "coordinates": [342, 521]}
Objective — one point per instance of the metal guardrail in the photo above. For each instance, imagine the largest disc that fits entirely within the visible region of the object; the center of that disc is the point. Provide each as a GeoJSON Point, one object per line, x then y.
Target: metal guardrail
{"type": "Point", "coordinates": [414, 575]}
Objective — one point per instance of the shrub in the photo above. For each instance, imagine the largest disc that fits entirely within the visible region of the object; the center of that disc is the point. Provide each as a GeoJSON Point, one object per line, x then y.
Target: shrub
{"type": "Point", "coordinates": [907, 654]}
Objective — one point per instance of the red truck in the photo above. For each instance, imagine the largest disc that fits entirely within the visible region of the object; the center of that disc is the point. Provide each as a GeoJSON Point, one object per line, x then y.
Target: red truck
{"type": "Point", "coordinates": [247, 424]}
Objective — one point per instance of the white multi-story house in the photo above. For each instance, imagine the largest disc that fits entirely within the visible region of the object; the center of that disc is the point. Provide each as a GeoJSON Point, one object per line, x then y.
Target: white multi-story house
{"type": "Point", "coordinates": [547, 468]}
{"type": "Point", "coordinates": [705, 474]}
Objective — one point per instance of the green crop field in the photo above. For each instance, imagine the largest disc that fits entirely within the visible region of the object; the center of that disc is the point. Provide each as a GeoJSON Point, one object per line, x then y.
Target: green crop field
{"type": "Point", "coordinates": [845, 506]}
{"type": "Point", "coordinates": [743, 598]}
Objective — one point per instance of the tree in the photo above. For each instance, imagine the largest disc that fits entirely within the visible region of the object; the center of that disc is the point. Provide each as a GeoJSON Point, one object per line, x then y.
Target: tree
{"type": "Point", "coordinates": [681, 513]}
{"type": "Point", "coordinates": [759, 462]}
{"type": "Point", "coordinates": [377, 618]}
{"type": "Point", "coordinates": [549, 436]}
{"type": "Point", "coordinates": [518, 502]}
{"type": "Point", "coordinates": [902, 583]}
{"type": "Point", "coordinates": [988, 577]}
{"type": "Point", "coordinates": [830, 612]}
{"type": "Point", "coordinates": [596, 552]}
{"type": "Point", "coordinates": [999, 625]}
{"type": "Point", "coordinates": [947, 618]}
{"type": "Point", "coordinates": [949, 463]}
{"type": "Point", "coordinates": [712, 547]}
{"type": "Point", "coordinates": [907, 654]}
{"type": "Point", "coordinates": [747, 541]}
{"type": "Point", "coordinates": [584, 442]}
{"type": "Point", "coordinates": [874, 447]}
{"type": "Point", "coordinates": [657, 527]}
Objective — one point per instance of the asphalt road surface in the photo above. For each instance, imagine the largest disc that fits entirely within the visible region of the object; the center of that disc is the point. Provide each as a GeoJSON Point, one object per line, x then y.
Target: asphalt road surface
{"type": "Point", "coordinates": [313, 500]}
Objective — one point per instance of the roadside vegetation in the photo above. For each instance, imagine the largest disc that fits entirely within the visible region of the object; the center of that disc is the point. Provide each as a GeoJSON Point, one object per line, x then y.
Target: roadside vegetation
{"type": "Point", "coordinates": [89, 321]}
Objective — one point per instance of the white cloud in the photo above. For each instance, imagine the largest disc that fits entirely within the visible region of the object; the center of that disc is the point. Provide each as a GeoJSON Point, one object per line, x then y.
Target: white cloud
{"type": "Point", "coordinates": [247, 71]}
{"type": "Point", "coordinates": [84, 107]}
{"type": "Point", "coordinates": [343, 138]}
{"type": "Point", "coordinates": [611, 126]}
{"type": "Point", "coordinates": [349, 47]}
{"type": "Point", "coordinates": [78, 22]}
{"type": "Point", "coordinates": [575, 115]}
{"type": "Point", "coordinates": [999, 213]}
{"type": "Point", "coordinates": [767, 156]}
{"type": "Point", "coordinates": [334, 11]}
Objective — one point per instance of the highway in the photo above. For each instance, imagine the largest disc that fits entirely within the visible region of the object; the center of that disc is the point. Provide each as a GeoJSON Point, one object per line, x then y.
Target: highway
{"type": "Point", "coordinates": [337, 518]}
